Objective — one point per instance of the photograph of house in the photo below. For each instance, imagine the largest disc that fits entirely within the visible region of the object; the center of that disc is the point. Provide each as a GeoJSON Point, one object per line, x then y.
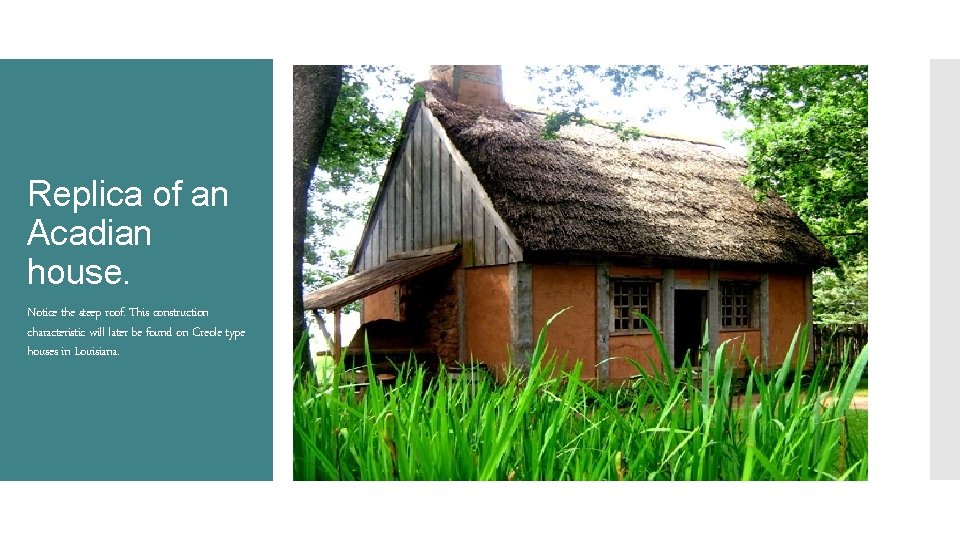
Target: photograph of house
{"type": "Point", "coordinates": [484, 227]}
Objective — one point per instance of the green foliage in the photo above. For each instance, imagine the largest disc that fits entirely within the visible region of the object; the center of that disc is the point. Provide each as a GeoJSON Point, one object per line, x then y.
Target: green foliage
{"type": "Point", "coordinates": [545, 425]}
{"type": "Point", "coordinates": [360, 140]}
{"type": "Point", "coordinates": [627, 133]}
{"type": "Point", "coordinates": [419, 94]}
{"type": "Point", "coordinates": [557, 120]}
{"type": "Point", "coordinates": [841, 297]}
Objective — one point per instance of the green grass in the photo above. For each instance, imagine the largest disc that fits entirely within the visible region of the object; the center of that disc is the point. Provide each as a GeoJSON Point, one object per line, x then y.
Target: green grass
{"type": "Point", "coordinates": [857, 427]}
{"type": "Point", "coordinates": [548, 425]}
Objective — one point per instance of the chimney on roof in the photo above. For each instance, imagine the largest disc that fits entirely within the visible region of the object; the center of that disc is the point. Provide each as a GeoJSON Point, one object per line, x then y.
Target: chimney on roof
{"type": "Point", "coordinates": [472, 85]}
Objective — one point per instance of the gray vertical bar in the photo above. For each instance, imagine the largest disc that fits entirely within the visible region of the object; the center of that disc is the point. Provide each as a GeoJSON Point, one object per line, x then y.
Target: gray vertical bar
{"type": "Point", "coordinates": [417, 183]}
{"type": "Point", "coordinates": [436, 193]}
{"type": "Point", "coordinates": [808, 300]}
{"type": "Point", "coordinates": [603, 321]}
{"type": "Point", "coordinates": [462, 313]}
{"type": "Point", "coordinates": [408, 196]}
{"type": "Point", "coordinates": [713, 307]}
{"type": "Point", "coordinates": [456, 192]}
{"type": "Point", "coordinates": [765, 320]}
{"type": "Point", "coordinates": [521, 313]}
{"type": "Point", "coordinates": [479, 246]}
{"type": "Point", "coordinates": [944, 223]}
{"type": "Point", "coordinates": [669, 313]}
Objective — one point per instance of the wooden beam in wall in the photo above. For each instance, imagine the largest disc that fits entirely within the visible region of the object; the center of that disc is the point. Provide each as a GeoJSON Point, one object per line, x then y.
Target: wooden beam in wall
{"type": "Point", "coordinates": [668, 313]}
{"type": "Point", "coordinates": [713, 315]}
{"type": "Point", "coordinates": [521, 313]}
{"type": "Point", "coordinates": [422, 252]}
{"type": "Point", "coordinates": [462, 313]}
{"type": "Point", "coordinates": [603, 321]}
{"type": "Point", "coordinates": [765, 319]}
{"type": "Point", "coordinates": [808, 301]}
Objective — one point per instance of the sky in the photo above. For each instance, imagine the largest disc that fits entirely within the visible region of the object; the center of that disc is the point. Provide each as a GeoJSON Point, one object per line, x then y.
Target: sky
{"type": "Point", "coordinates": [680, 118]}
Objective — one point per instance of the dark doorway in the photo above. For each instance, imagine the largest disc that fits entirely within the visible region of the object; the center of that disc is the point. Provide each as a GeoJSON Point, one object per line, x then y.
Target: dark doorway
{"type": "Point", "coordinates": [689, 316]}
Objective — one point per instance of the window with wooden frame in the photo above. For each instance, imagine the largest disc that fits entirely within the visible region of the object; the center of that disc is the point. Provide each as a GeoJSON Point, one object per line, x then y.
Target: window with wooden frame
{"type": "Point", "coordinates": [738, 305]}
{"type": "Point", "coordinates": [630, 297]}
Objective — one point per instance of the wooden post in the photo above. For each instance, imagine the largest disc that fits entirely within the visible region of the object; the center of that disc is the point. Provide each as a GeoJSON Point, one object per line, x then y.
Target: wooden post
{"type": "Point", "coordinates": [765, 320]}
{"type": "Point", "coordinates": [669, 295]}
{"type": "Point", "coordinates": [603, 322]}
{"type": "Point", "coordinates": [336, 334]}
{"type": "Point", "coordinates": [462, 313]}
{"type": "Point", "coordinates": [713, 314]}
{"type": "Point", "coordinates": [521, 313]}
{"type": "Point", "coordinates": [808, 301]}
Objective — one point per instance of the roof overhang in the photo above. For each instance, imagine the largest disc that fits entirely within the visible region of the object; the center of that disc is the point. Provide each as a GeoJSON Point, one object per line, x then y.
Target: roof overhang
{"type": "Point", "coordinates": [399, 268]}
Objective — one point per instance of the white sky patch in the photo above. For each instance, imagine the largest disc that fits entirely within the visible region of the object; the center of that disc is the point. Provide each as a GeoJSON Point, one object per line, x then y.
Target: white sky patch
{"type": "Point", "coordinates": [680, 117]}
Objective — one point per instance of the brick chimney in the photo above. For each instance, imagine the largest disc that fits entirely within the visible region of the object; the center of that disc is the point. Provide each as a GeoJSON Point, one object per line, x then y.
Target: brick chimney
{"type": "Point", "coordinates": [472, 85]}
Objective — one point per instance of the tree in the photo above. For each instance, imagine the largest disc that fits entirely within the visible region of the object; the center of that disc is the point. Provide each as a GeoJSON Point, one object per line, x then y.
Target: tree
{"type": "Point", "coordinates": [315, 92]}
{"type": "Point", "coordinates": [841, 299]}
{"type": "Point", "coordinates": [339, 140]}
{"type": "Point", "coordinates": [361, 138]}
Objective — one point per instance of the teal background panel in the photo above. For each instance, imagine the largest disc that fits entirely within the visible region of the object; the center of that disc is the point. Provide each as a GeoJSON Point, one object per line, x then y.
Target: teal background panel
{"type": "Point", "coordinates": [189, 408]}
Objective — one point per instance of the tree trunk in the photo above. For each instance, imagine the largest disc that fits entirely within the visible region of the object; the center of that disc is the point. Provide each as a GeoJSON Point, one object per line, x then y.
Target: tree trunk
{"type": "Point", "coordinates": [315, 92]}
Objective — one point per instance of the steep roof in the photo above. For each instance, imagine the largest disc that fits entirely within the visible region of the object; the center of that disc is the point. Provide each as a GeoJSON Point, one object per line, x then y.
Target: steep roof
{"type": "Point", "coordinates": [590, 192]}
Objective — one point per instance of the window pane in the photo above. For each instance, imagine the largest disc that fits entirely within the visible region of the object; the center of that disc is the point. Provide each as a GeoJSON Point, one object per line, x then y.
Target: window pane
{"type": "Point", "coordinates": [630, 299]}
{"type": "Point", "coordinates": [735, 304]}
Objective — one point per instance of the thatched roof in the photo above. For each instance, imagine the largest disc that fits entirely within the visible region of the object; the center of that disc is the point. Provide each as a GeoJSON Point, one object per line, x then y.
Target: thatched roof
{"type": "Point", "coordinates": [589, 192]}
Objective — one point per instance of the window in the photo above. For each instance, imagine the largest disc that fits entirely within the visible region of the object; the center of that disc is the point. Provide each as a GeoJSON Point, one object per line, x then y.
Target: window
{"type": "Point", "coordinates": [737, 301]}
{"type": "Point", "coordinates": [631, 296]}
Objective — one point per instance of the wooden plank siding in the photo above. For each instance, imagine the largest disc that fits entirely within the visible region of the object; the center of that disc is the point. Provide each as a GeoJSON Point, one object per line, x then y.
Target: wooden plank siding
{"type": "Point", "coordinates": [478, 230]}
{"type": "Point", "coordinates": [407, 228]}
{"type": "Point", "coordinates": [436, 193]}
{"type": "Point", "coordinates": [417, 186]}
{"type": "Point", "coordinates": [456, 202]}
{"type": "Point", "coordinates": [431, 197]}
{"type": "Point", "coordinates": [490, 238]}
{"type": "Point", "coordinates": [446, 186]}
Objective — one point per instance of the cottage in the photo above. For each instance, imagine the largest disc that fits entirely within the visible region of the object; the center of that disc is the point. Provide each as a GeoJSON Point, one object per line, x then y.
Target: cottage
{"type": "Point", "coordinates": [482, 229]}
